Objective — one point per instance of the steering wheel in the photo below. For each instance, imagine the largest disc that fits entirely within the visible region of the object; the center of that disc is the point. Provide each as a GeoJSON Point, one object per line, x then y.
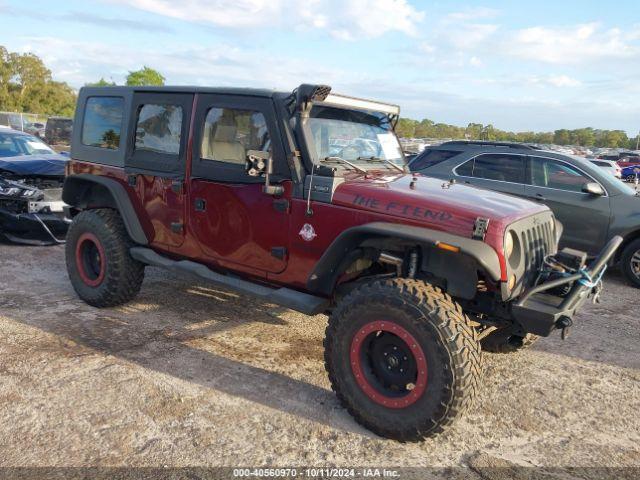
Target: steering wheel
{"type": "Point", "coordinates": [350, 148]}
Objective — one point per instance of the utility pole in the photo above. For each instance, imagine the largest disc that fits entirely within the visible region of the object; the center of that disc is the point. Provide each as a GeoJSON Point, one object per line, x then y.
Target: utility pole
{"type": "Point", "coordinates": [637, 141]}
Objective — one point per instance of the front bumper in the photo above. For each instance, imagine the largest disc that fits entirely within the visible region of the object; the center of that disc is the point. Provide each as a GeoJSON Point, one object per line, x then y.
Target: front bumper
{"type": "Point", "coordinates": [34, 228]}
{"type": "Point", "coordinates": [539, 312]}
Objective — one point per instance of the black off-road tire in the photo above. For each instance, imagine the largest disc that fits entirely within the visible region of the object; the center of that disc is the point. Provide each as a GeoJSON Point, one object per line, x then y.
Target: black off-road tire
{"type": "Point", "coordinates": [626, 259]}
{"type": "Point", "coordinates": [446, 337]}
{"type": "Point", "coordinates": [116, 278]}
{"type": "Point", "coordinates": [503, 341]}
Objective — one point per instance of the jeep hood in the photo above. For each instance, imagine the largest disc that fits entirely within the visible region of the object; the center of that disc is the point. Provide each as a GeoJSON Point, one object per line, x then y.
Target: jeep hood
{"type": "Point", "coordinates": [432, 202]}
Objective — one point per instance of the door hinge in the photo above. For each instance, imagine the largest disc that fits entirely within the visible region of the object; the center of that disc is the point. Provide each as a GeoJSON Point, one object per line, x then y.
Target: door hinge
{"type": "Point", "coordinates": [281, 205]}
{"type": "Point", "coordinates": [279, 252]}
{"type": "Point", "coordinates": [176, 227]}
{"type": "Point", "coordinates": [132, 180]}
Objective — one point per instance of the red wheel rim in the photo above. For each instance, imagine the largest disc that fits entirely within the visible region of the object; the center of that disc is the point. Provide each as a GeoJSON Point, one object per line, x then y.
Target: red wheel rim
{"type": "Point", "coordinates": [90, 259]}
{"type": "Point", "coordinates": [367, 359]}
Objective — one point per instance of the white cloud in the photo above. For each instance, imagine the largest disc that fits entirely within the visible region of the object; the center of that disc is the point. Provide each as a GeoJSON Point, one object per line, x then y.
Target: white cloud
{"type": "Point", "coordinates": [346, 19]}
{"type": "Point", "coordinates": [571, 45]}
{"type": "Point", "coordinates": [563, 81]}
{"type": "Point", "coordinates": [469, 36]}
{"type": "Point", "coordinates": [79, 62]}
{"type": "Point", "coordinates": [472, 14]}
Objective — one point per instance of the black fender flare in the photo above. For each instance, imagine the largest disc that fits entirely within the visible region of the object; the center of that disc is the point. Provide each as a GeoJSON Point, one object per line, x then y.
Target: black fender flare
{"type": "Point", "coordinates": [77, 192]}
{"type": "Point", "coordinates": [323, 277]}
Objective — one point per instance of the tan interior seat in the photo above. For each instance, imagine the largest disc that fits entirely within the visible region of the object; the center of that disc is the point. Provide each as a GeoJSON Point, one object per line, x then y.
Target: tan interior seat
{"type": "Point", "coordinates": [220, 143]}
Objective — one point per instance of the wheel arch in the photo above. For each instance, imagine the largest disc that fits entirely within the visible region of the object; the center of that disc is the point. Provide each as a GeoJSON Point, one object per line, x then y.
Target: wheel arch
{"type": "Point", "coordinates": [628, 238]}
{"type": "Point", "coordinates": [454, 267]}
{"type": "Point", "coordinates": [85, 191]}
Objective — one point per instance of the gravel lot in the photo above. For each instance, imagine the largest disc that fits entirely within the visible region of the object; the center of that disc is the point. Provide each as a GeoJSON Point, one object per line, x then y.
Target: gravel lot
{"type": "Point", "coordinates": [193, 375]}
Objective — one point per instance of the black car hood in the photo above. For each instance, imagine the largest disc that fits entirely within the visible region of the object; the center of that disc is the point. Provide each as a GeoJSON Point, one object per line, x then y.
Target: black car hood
{"type": "Point", "coordinates": [31, 165]}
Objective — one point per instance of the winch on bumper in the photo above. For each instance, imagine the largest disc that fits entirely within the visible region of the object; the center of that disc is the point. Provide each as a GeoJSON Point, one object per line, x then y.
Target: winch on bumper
{"type": "Point", "coordinates": [546, 307]}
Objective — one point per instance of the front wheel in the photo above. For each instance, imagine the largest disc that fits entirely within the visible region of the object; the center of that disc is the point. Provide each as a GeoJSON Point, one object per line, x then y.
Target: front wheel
{"type": "Point", "coordinates": [402, 358]}
{"type": "Point", "coordinates": [631, 263]}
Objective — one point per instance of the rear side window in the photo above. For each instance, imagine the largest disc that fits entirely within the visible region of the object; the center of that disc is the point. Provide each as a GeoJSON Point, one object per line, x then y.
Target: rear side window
{"type": "Point", "coordinates": [602, 164]}
{"type": "Point", "coordinates": [495, 166]}
{"type": "Point", "coordinates": [158, 128]}
{"type": "Point", "coordinates": [429, 158]}
{"type": "Point", "coordinates": [229, 133]}
{"type": "Point", "coordinates": [102, 122]}
{"type": "Point", "coordinates": [559, 175]}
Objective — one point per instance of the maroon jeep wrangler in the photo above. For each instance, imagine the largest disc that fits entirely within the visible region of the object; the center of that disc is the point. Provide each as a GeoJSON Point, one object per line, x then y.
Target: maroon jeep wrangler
{"type": "Point", "coordinates": [302, 199]}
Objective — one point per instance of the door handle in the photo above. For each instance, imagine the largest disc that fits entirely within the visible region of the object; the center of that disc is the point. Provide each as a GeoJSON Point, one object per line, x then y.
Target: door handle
{"type": "Point", "coordinates": [200, 205]}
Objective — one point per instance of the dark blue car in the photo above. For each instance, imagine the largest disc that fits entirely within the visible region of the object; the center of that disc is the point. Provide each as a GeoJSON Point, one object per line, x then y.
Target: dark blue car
{"type": "Point", "coordinates": [630, 173]}
{"type": "Point", "coordinates": [31, 177]}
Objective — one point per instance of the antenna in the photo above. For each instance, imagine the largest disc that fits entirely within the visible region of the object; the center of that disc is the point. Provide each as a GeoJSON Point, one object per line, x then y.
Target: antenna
{"type": "Point", "coordinates": [309, 211]}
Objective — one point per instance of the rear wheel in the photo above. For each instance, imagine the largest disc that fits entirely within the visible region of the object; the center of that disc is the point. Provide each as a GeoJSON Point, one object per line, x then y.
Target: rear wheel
{"type": "Point", "coordinates": [631, 263]}
{"type": "Point", "coordinates": [101, 271]}
{"type": "Point", "coordinates": [402, 358]}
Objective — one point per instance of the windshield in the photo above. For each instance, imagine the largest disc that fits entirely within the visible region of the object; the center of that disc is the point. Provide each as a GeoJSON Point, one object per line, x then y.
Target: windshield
{"type": "Point", "coordinates": [365, 139]}
{"type": "Point", "coordinates": [13, 145]}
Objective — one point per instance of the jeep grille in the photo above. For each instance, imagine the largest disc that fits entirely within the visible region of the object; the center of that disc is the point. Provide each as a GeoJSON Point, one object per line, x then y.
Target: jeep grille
{"type": "Point", "coordinates": [537, 237]}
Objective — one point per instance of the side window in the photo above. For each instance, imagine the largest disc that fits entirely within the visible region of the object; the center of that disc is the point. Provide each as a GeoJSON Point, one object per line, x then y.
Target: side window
{"type": "Point", "coordinates": [429, 158]}
{"type": "Point", "coordinates": [466, 169]}
{"type": "Point", "coordinates": [102, 122]}
{"type": "Point", "coordinates": [500, 167]}
{"type": "Point", "coordinates": [158, 128]}
{"type": "Point", "coordinates": [559, 175]}
{"type": "Point", "coordinates": [229, 133]}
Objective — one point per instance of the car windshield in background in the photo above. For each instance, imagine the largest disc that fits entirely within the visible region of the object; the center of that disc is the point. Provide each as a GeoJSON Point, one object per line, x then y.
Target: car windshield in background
{"type": "Point", "coordinates": [365, 139]}
{"type": "Point", "coordinates": [13, 145]}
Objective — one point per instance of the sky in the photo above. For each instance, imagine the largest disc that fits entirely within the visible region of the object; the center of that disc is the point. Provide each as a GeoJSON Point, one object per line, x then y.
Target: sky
{"type": "Point", "coordinates": [536, 65]}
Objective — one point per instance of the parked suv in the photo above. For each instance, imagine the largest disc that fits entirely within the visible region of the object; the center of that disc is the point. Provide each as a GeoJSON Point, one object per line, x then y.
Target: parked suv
{"type": "Point", "coordinates": [58, 130]}
{"type": "Point", "coordinates": [301, 199]}
{"type": "Point", "coordinates": [592, 205]}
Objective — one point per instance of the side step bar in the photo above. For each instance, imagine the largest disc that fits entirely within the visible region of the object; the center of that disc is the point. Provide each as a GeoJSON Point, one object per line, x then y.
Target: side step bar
{"type": "Point", "coordinates": [301, 302]}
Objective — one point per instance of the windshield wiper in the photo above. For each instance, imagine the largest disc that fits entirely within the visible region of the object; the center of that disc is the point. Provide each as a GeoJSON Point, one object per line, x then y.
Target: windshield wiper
{"type": "Point", "coordinates": [340, 159]}
{"type": "Point", "coordinates": [378, 159]}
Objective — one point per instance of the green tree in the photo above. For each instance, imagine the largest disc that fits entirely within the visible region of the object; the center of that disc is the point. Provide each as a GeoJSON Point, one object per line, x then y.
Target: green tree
{"type": "Point", "coordinates": [101, 83]}
{"type": "Point", "coordinates": [110, 139]}
{"type": "Point", "coordinates": [144, 77]}
{"type": "Point", "coordinates": [561, 137]}
{"type": "Point", "coordinates": [26, 86]}
{"type": "Point", "coordinates": [474, 131]}
{"type": "Point", "coordinates": [406, 128]}
{"type": "Point", "coordinates": [425, 129]}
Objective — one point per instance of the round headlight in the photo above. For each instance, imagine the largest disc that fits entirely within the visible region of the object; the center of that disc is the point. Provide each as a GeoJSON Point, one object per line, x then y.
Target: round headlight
{"type": "Point", "coordinates": [509, 243]}
{"type": "Point", "coordinates": [512, 250]}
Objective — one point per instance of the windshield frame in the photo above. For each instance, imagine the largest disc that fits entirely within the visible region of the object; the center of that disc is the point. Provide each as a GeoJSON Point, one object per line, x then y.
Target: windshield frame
{"type": "Point", "coordinates": [379, 161]}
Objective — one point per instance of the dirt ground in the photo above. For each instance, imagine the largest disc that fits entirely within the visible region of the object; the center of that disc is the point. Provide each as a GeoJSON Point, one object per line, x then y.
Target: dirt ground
{"type": "Point", "coordinates": [192, 375]}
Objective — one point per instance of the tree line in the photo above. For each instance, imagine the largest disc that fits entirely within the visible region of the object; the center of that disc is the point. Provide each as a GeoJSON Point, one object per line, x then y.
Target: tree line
{"type": "Point", "coordinates": [587, 137]}
{"type": "Point", "coordinates": [26, 85]}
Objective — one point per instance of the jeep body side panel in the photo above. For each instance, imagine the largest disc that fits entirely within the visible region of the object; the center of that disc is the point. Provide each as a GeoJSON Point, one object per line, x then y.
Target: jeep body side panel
{"type": "Point", "coordinates": [116, 175]}
{"type": "Point", "coordinates": [88, 190]}
{"type": "Point", "coordinates": [328, 223]}
{"type": "Point", "coordinates": [325, 274]}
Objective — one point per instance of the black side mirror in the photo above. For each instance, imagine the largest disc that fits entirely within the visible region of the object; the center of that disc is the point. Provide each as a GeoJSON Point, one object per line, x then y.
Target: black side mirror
{"type": "Point", "coordinates": [593, 188]}
{"type": "Point", "coordinates": [260, 164]}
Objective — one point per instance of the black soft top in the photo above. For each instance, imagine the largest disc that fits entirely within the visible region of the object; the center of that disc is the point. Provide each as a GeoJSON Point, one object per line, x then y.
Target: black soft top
{"type": "Point", "coordinates": [252, 92]}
